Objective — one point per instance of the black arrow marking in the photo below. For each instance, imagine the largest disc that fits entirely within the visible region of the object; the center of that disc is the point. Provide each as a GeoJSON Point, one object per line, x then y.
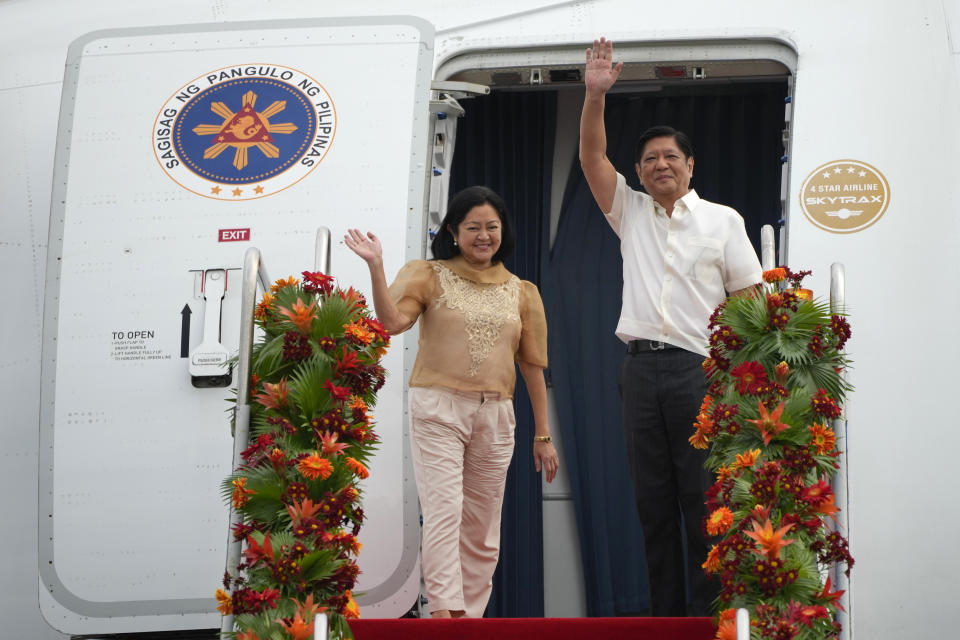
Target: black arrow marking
{"type": "Point", "coordinates": [185, 331]}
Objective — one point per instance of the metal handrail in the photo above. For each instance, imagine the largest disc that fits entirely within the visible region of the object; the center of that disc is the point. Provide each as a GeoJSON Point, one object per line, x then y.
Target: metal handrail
{"type": "Point", "coordinates": [743, 624]}
{"type": "Point", "coordinates": [840, 487]}
{"type": "Point", "coordinates": [768, 247]}
{"type": "Point", "coordinates": [322, 251]}
{"type": "Point", "coordinates": [253, 271]}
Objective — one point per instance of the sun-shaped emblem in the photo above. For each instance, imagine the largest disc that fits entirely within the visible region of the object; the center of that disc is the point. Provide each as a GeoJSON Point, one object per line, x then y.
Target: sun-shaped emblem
{"type": "Point", "coordinates": [272, 148]}
{"type": "Point", "coordinates": [244, 129]}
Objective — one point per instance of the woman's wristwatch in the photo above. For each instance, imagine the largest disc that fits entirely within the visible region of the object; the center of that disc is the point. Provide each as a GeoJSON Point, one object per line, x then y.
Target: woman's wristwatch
{"type": "Point", "coordinates": [542, 439]}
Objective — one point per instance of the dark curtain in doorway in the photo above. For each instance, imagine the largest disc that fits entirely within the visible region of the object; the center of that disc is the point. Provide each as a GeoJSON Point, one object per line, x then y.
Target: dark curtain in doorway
{"type": "Point", "coordinates": [736, 134]}
{"type": "Point", "coordinates": [505, 141]}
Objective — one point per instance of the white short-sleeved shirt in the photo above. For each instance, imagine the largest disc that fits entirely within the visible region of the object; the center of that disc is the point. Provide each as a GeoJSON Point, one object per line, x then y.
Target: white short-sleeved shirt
{"type": "Point", "coordinates": [677, 269]}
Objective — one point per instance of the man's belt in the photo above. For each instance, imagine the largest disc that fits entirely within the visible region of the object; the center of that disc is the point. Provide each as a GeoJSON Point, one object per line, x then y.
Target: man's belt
{"type": "Point", "coordinates": [640, 346]}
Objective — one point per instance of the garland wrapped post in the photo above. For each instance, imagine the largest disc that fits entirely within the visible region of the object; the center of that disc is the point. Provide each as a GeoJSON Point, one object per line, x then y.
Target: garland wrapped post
{"type": "Point", "coordinates": [775, 386]}
{"type": "Point", "coordinates": [315, 373]}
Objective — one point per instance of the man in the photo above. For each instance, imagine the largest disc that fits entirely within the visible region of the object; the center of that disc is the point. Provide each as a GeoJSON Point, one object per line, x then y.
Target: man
{"type": "Point", "coordinates": [681, 255]}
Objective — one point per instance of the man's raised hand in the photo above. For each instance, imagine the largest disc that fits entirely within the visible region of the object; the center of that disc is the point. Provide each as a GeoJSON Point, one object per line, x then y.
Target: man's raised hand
{"type": "Point", "coordinates": [601, 73]}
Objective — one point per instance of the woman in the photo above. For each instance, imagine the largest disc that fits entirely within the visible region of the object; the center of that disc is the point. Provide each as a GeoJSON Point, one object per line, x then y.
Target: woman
{"type": "Point", "coordinates": [476, 320]}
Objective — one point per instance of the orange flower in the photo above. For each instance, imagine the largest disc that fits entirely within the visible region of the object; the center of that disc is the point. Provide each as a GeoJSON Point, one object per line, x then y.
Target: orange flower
{"type": "Point", "coordinates": [727, 625]}
{"type": "Point", "coordinates": [719, 521]}
{"type": "Point", "coordinates": [804, 294]}
{"type": "Point", "coordinates": [247, 635]}
{"type": "Point", "coordinates": [241, 495]}
{"type": "Point", "coordinates": [699, 440]}
{"type": "Point", "coordinates": [770, 541]}
{"type": "Point", "coordinates": [281, 283]}
{"type": "Point", "coordinates": [350, 610]}
{"type": "Point", "coordinates": [297, 628]}
{"type": "Point", "coordinates": [747, 459]}
{"type": "Point", "coordinates": [302, 511]}
{"type": "Point", "coordinates": [273, 396]}
{"type": "Point", "coordinates": [314, 466]}
{"type": "Point", "coordinates": [263, 308]}
{"type": "Point", "coordinates": [822, 438]}
{"type": "Point", "coordinates": [706, 404]}
{"type": "Point", "coordinates": [224, 602]}
{"type": "Point", "coordinates": [713, 563]}
{"type": "Point", "coordinates": [828, 507]}
{"type": "Point", "coordinates": [357, 467]}
{"type": "Point", "coordinates": [358, 333]}
{"type": "Point", "coordinates": [724, 472]}
{"type": "Point", "coordinates": [775, 275]}
{"type": "Point", "coordinates": [769, 424]}
{"type": "Point", "coordinates": [356, 402]}
{"type": "Point", "coordinates": [301, 315]}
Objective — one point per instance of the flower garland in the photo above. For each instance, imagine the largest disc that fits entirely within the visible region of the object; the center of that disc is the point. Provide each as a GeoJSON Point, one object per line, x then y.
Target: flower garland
{"type": "Point", "coordinates": [775, 385]}
{"type": "Point", "coordinates": [315, 373]}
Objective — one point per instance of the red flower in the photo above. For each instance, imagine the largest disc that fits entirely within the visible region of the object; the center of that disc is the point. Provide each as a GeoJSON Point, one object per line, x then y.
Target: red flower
{"type": "Point", "coordinates": [254, 552]}
{"type": "Point", "coordinates": [749, 376]}
{"type": "Point", "coordinates": [317, 282]}
{"type": "Point", "coordinates": [806, 614]}
{"type": "Point", "coordinates": [832, 597]}
{"type": "Point", "coordinates": [337, 393]}
{"type": "Point", "coordinates": [824, 405]}
{"type": "Point", "coordinates": [347, 363]}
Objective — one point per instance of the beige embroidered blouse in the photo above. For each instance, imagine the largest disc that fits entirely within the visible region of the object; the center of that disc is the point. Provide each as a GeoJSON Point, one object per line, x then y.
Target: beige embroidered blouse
{"type": "Point", "coordinates": [473, 324]}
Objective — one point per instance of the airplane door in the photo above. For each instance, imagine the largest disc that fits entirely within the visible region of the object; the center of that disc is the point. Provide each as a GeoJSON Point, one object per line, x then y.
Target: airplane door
{"type": "Point", "coordinates": [178, 148]}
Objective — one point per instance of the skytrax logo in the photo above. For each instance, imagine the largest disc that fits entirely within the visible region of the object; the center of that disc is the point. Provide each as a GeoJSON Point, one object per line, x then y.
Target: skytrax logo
{"type": "Point", "coordinates": [244, 132]}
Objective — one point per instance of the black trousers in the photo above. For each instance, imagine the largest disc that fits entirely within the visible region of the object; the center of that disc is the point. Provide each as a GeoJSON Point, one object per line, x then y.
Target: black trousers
{"type": "Point", "coordinates": [661, 393]}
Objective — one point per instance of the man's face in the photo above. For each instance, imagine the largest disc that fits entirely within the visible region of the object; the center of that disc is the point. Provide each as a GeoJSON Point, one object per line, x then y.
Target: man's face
{"type": "Point", "coordinates": [664, 171]}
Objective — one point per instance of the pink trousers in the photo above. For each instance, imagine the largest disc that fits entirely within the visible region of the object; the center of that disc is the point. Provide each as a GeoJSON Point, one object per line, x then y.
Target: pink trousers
{"type": "Point", "coordinates": [461, 443]}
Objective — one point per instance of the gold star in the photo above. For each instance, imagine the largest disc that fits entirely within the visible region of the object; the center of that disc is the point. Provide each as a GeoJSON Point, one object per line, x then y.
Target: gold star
{"type": "Point", "coordinates": [837, 170]}
{"type": "Point", "coordinates": [215, 191]}
{"type": "Point", "coordinates": [237, 192]}
{"type": "Point", "coordinates": [258, 189]}
{"type": "Point", "coordinates": [826, 175]}
{"type": "Point", "coordinates": [849, 169]}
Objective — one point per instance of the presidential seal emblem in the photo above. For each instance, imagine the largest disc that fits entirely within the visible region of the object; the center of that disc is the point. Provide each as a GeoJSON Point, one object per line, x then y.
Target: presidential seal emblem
{"type": "Point", "coordinates": [244, 132]}
{"type": "Point", "coordinates": [844, 196]}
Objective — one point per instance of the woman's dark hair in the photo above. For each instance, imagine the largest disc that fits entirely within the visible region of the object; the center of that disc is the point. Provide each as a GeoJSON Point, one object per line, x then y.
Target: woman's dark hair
{"type": "Point", "coordinates": [460, 205]}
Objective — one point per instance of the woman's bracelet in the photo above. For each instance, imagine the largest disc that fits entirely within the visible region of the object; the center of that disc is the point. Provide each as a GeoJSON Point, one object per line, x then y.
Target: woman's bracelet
{"type": "Point", "coordinates": [542, 439]}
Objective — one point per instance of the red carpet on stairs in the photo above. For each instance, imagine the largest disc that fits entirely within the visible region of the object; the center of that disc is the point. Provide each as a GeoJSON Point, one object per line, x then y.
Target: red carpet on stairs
{"type": "Point", "coordinates": [532, 628]}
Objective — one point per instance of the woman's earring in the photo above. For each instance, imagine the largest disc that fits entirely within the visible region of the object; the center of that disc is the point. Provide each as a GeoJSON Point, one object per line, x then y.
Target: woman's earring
{"type": "Point", "coordinates": [454, 242]}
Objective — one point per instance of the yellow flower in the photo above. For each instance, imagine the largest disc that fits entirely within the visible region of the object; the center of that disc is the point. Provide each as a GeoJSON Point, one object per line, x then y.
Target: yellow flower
{"type": "Point", "coordinates": [263, 308]}
{"type": "Point", "coordinates": [241, 495]}
{"type": "Point", "coordinates": [358, 333]}
{"type": "Point", "coordinates": [775, 275]}
{"type": "Point", "coordinates": [224, 602]}
{"type": "Point", "coordinates": [350, 610]}
{"type": "Point", "coordinates": [281, 283]}
{"type": "Point", "coordinates": [713, 562]}
{"type": "Point", "coordinates": [747, 459]}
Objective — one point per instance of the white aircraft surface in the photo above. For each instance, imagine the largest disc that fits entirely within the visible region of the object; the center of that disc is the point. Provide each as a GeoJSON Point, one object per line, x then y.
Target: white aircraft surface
{"type": "Point", "coordinates": [110, 243]}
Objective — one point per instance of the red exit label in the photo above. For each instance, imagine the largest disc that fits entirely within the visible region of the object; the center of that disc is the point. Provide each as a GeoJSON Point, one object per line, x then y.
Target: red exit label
{"type": "Point", "coordinates": [234, 235]}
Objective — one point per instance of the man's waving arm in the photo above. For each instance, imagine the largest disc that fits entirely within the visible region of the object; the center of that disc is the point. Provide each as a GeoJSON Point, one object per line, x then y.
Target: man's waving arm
{"type": "Point", "coordinates": [599, 76]}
